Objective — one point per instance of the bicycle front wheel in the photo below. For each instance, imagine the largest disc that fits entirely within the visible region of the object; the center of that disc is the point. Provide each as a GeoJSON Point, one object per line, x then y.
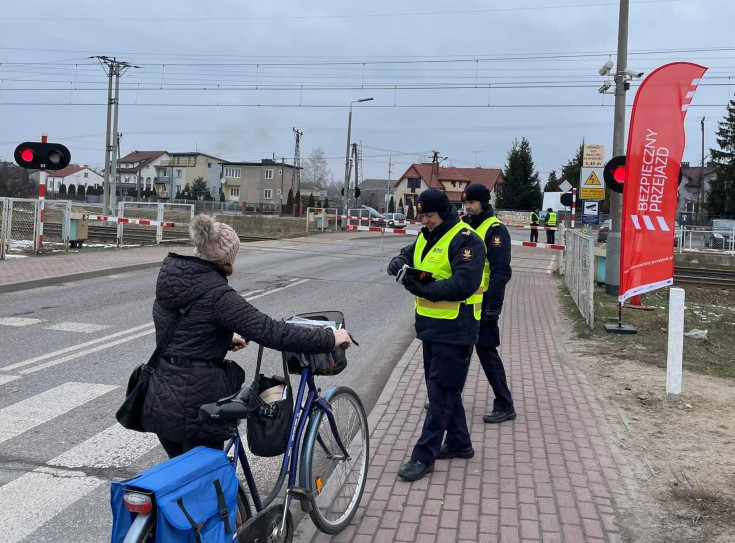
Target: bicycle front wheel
{"type": "Point", "coordinates": [335, 480]}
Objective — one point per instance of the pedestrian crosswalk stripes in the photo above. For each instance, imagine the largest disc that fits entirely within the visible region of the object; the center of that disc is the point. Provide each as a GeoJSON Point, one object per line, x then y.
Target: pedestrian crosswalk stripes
{"type": "Point", "coordinates": [18, 321]}
{"type": "Point", "coordinates": [33, 499]}
{"type": "Point", "coordinates": [8, 378]}
{"type": "Point", "coordinates": [85, 327]}
{"type": "Point", "coordinates": [114, 447]}
{"type": "Point", "coordinates": [46, 406]}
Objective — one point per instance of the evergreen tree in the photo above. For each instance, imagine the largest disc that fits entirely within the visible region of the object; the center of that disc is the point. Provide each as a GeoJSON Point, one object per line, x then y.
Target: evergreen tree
{"type": "Point", "coordinates": [391, 205]}
{"type": "Point", "coordinates": [187, 191]}
{"type": "Point", "coordinates": [572, 170]}
{"type": "Point", "coordinates": [409, 211]}
{"type": "Point", "coordinates": [297, 199]}
{"type": "Point", "coordinates": [311, 203]}
{"type": "Point", "coordinates": [81, 191]}
{"type": "Point", "coordinates": [199, 189]}
{"type": "Point", "coordinates": [222, 195]}
{"type": "Point", "coordinates": [326, 201]}
{"type": "Point", "coordinates": [178, 194]}
{"type": "Point", "coordinates": [15, 182]}
{"type": "Point", "coordinates": [721, 197]}
{"type": "Point", "coordinates": [289, 200]}
{"type": "Point", "coordinates": [552, 185]}
{"type": "Point", "coordinates": [62, 189]}
{"type": "Point", "coordinates": [72, 190]}
{"type": "Point", "coordinates": [520, 188]}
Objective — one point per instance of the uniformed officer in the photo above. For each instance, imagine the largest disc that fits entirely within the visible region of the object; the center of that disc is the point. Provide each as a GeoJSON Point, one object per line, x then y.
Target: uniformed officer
{"type": "Point", "coordinates": [550, 221]}
{"type": "Point", "coordinates": [448, 314]}
{"type": "Point", "coordinates": [534, 222]}
{"type": "Point", "coordinates": [481, 217]}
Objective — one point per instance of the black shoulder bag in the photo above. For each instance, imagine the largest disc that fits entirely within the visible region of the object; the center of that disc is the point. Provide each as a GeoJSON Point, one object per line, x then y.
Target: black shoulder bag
{"type": "Point", "coordinates": [130, 414]}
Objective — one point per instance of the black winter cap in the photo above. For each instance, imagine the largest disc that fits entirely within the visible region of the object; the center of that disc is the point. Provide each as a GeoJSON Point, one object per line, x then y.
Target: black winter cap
{"type": "Point", "coordinates": [476, 192]}
{"type": "Point", "coordinates": [432, 200]}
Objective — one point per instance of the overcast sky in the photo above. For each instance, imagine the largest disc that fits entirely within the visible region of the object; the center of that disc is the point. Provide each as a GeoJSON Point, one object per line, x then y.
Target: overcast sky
{"type": "Point", "coordinates": [232, 78]}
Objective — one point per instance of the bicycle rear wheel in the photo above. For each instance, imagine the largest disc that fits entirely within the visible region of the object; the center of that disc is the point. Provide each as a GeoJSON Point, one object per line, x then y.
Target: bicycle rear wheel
{"type": "Point", "coordinates": [336, 482]}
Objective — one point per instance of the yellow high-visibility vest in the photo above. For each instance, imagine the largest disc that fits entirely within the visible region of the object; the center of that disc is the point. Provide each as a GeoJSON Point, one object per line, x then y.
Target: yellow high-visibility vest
{"type": "Point", "coordinates": [437, 262]}
{"type": "Point", "coordinates": [551, 220]}
{"type": "Point", "coordinates": [482, 232]}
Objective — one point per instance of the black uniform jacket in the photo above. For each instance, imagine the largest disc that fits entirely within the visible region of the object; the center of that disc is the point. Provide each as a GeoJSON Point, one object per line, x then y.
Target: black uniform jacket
{"type": "Point", "coordinates": [497, 241]}
{"type": "Point", "coordinates": [465, 280]}
{"type": "Point", "coordinates": [204, 334]}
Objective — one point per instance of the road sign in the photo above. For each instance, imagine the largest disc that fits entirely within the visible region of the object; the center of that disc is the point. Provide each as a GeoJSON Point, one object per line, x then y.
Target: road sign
{"type": "Point", "coordinates": [565, 186]}
{"type": "Point", "coordinates": [593, 156]}
{"type": "Point", "coordinates": [591, 213]}
{"type": "Point", "coordinates": [592, 184]}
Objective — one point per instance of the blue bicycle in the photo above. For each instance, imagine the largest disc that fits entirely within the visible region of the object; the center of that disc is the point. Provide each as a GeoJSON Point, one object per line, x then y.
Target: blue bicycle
{"type": "Point", "coordinates": [326, 456]}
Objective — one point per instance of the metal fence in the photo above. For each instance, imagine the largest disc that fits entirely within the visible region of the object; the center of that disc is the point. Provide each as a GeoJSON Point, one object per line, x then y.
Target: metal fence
{"type": "Point", "coordinates": [320, 219]}
{"type": "Point", "coordinates": [19, 227]}
{"type": "Point", "coordinates": [576, 263]}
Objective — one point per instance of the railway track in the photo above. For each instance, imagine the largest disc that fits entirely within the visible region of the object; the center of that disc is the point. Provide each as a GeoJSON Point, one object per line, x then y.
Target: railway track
{"type": "Point", "coordinates": [704, 278]}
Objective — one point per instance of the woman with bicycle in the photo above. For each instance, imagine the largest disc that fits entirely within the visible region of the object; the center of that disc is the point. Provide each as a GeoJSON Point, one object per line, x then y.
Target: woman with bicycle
{"type": "Point", "coordinates": [192, 370]}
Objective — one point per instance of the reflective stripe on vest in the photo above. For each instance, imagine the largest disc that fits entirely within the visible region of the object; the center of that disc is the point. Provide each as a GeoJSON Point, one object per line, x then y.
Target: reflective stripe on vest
{"type": "Point", "coordinates": [482, 232]}
{"type": "Point", "coordinates": [551, 221]}
{"type": "Point", "coordinates": [534, 219]}
{"type": "Point", "coordinates": [437, 262]}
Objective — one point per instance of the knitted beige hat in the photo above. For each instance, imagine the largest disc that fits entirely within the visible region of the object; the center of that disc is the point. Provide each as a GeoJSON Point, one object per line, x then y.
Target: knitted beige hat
{"type": "Point", "coordinates": [214, 241]}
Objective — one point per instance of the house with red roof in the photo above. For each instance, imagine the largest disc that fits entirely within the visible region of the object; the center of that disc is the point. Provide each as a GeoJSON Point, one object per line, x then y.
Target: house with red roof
{"type": "Point", "coordinates": [72, 175]}
{"type": "Point", "coordinates": [451, 180]}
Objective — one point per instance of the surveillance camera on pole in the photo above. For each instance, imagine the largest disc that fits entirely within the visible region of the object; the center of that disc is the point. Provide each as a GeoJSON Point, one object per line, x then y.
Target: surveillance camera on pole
{"type": "Point", "coordinates": [605, 70]}
{"type": "Point", "coordinates": [604, 88]}
{"type": "Point", "coordinates": [633, 73]}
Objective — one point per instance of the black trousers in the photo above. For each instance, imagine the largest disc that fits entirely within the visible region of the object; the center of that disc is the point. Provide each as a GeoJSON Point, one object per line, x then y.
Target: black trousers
{"type": "Point", "coordinates": [550, 236]}
{"type": "Point", "coordinates": [534, 234]}
{"type": "Point", "coordinates": [492, 365]}
{"type": "Point", "coordinates": [176, 448]}
{"type": "Point", "coordinates": [445, 370]}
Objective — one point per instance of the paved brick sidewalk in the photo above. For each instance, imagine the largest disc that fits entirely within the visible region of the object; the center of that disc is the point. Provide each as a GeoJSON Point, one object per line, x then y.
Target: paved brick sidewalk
{"type": "Point", "coordinates": [19, 273]}
{"type": "Point", "coordinates": [548, 476]}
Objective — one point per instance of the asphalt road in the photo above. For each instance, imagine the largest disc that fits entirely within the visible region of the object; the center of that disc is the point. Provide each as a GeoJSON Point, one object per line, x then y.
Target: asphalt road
{"type": "Point", "coordinates": [68, 349]}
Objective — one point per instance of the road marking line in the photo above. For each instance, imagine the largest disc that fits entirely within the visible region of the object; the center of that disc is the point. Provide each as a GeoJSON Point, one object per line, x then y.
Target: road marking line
{"type": "Point", "coordinates": [77, 327]}
{"type": "Point", "coordinates": [36, 410]}
{"type": "Point", "coordinates": [73, 348]}
{"type": "Point", "coordinates": [293, 284]}
{"type": "Point", "coordinates": [33, 499]}
{"type": "Point", "coordinates": [8, 378]}
{"type": "Point", "coordinates": [114, 447]}
{"type": "Point", "coordinates": [39, 367]}
{"type": "Point", "coordinates": [18, 321]}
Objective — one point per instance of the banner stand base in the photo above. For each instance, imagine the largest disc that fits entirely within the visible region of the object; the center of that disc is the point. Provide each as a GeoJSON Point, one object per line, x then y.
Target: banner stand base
{"type": "Point", "coordinates": [621, 329]}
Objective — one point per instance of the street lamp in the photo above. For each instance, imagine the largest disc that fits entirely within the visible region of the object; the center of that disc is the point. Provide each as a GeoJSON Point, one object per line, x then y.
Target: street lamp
{"type": "Point", "coordinates": [347, 155]}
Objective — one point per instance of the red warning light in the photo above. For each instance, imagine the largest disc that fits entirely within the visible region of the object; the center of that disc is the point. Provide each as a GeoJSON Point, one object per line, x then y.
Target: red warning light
{"type": "Point", "coordinates": [27, 155]}
{"type": "Point", "coordinates": [619, 174]}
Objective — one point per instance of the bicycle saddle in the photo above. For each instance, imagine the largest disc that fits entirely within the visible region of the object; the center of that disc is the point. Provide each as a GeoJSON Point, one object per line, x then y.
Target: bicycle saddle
{"type": "Point", "coordinates": [230, 409]}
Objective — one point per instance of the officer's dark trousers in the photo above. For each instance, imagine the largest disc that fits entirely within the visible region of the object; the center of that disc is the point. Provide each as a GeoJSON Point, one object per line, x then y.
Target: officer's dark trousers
{"type": "Point", "coordinates": [492, 365]}
{"type": "Point", "coordinates": [550, 236]}
{"type": "Point", "coordinates": [445, 370]}
{"type": "Point", "coordinates": [534, 234]}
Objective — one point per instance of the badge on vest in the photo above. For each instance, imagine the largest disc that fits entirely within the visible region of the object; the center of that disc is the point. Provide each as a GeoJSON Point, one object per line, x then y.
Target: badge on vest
{"type": "Point", "coordinates": [467, 255]}
{"type": "Point", "coordinates": [497, 241]}
{"type": "Point", "coordinates": [466, 233]}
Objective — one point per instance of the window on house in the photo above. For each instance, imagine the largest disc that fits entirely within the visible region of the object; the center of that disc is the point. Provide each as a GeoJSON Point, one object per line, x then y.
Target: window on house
{"type": "Point", "coordinates": [692, 207]}
{"type": "Point", "coordinates": [268, 193]}
{"type": "Point", "coordinates": [178, 173]}
{"type": "Point", "coordinates": [454, 183]}
{"type": "Point", "coordinates": [163, 189]}
{"type": "Point", "coordinates": [413, 184]}
{"type": "Point", "coordinates": [86, 175]}
{"type": "Point", "coordinates": [269, 174]}
{"type": "Point", "coordinates": [232, 172]}
{"type": "Point", "coordinates": [234, 191]}
{"type": "Point", "coordinates": [209, 164]}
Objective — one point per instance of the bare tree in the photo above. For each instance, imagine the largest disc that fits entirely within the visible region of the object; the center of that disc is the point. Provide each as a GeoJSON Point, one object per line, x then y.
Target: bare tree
{"type": "Point", "coordinates": [316, 173]}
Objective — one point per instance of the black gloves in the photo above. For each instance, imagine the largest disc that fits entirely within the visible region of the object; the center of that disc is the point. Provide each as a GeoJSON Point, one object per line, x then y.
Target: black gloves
{"type": "Point", "coordinates": [491, 314]}
{"type": "Point", "coordinates": [396, 264]}
{"type": "Point", "coordinates": [415, 287]}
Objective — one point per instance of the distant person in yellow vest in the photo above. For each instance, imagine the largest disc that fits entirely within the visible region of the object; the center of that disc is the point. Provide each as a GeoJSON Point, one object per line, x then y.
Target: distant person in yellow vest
{"type": "Point", "coordinates": [481, 217]}
{"type": "Point", "coordinates": [550, 221]}
{"type": "Point", "coordinates": [534, 222]}
{"type": "Point", "coordinates": [448, 313]}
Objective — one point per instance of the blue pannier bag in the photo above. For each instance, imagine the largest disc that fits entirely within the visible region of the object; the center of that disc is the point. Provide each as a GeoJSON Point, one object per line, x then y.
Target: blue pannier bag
{"type": "Point", "coordinates": [195, 498]}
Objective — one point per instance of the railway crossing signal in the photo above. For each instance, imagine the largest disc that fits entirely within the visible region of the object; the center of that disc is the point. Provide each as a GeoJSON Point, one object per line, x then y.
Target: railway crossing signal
{"type": "Point", "coordinates": [36, 155]}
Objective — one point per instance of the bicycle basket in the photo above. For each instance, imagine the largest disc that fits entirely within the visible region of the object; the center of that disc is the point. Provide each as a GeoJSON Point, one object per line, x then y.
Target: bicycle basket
{"type": "Point", "coordinates": [330, 363]}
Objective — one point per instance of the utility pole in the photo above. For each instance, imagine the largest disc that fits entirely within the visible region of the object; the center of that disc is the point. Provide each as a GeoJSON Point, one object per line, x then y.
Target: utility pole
{"type": "Point", "coordinates": [434, 169]}
{"type": "Point", "coordinates": [296, 178]}
{"type": "Point", "coordinates": [117, 161]}
{"type": "Point", "coordinates": [612, 265]}
{"type": "Point", "coordinates": [355, 162]}
{"type": "Point", "coordinates": [114, 69]}
{"type": "Point", "coordinates": [283, 172]}
{"type": "Point", "coordinates": [700, 194]}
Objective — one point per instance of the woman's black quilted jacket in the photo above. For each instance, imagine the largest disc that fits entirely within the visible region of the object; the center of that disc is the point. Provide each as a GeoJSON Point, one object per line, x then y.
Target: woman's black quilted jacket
{"type": "Point", "coordinates": [204, 334]}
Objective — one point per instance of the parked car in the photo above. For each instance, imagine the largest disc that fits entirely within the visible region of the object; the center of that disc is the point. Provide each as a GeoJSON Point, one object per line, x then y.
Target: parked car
{"type": "Point", "coordinates": [604, 229]}
{"type": "Point", "coordinates": [371, 214]}
{"type": "Point", "coordinates": [395, 220]}
{"type": "Point", "coordinates": [721, 235]}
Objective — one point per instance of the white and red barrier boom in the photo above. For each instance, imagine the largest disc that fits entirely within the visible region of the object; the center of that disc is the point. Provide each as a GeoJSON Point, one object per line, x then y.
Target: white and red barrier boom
{"type": "Point", "coordinates": [122, 220]}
